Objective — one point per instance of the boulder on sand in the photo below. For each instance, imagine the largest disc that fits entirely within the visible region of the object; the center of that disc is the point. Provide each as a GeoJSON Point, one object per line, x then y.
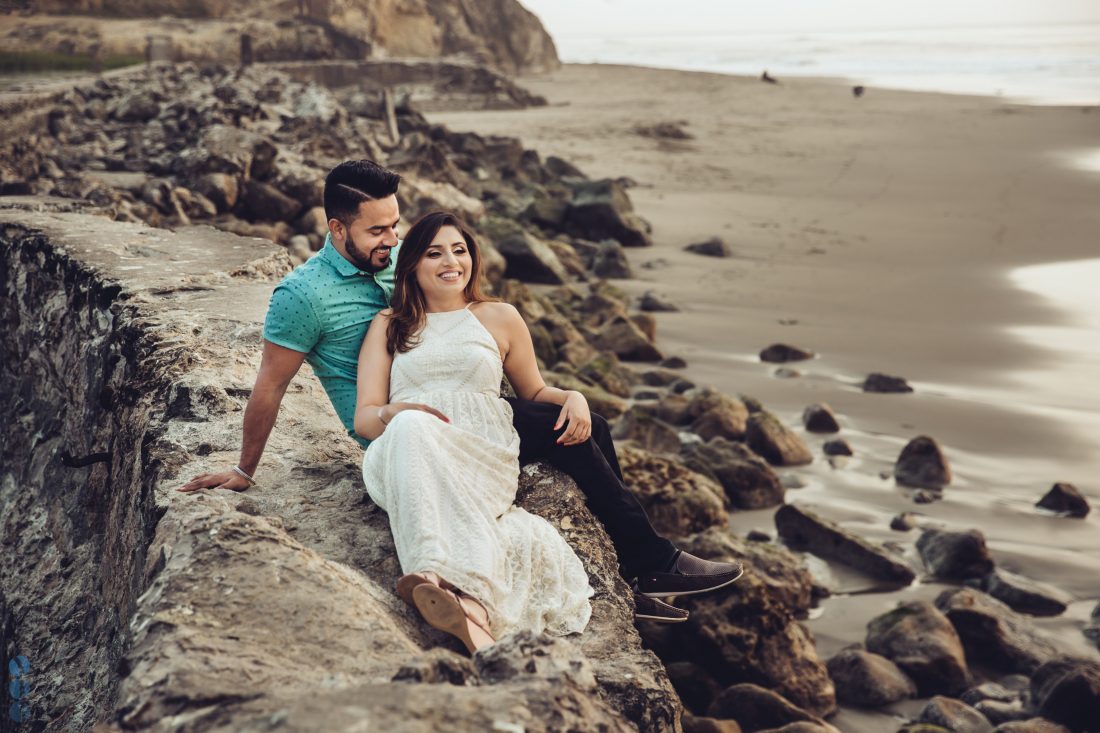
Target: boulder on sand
{"type": "Point", "coordinates": [868, 680]}
{"type": "Point", "coordinates": [820, 418]}
{"type": "Point", "coordinates": [1067, 691]}
{"type": "Point", "coordinates": [884, 383]}
{"type": "Point", "coordinates": [955, 555]}
{"type": "Point", "coordinates": [803, 530]}
{"type": "Point", "coordinates": [601, 210]}
{"type": "Point", "coordinates": [776, 443]}
{"type": "Point", "coordinates": [748, 480]}
{"type": "Point", "coordinates": [1065, 499]}
{"type": "Point", "coordinates": [993, 633]}
{"type": "Point", "coordinates": [918, 638]}
{"type": "Point", "coordinates": [922, 464]}
{"type": "Point", "coordinates": [713, 247]}
{"type": "Point", "coordinates": [781, 353]}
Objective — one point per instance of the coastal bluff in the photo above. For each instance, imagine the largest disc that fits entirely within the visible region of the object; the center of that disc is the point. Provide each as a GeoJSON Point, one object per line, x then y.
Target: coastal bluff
{"type": "Point", "coordinates": [131, 353]}
{"type": "Point", "coordinates": [498, 33]}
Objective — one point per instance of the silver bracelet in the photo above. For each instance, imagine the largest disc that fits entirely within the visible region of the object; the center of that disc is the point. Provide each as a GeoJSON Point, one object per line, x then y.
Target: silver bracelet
{"type": "Point", "coordinates": [380, 415]}
{"type": "Point", "coordinates": [237, 470]}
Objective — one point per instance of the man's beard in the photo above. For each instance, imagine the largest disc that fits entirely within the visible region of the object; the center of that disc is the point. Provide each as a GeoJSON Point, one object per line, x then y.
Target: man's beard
{"type": "Point", "coordinates": [361, 259]}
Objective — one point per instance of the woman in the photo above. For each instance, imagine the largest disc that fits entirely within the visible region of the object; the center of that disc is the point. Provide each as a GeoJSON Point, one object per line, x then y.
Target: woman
{"type": "Point", "coordinates": [444, 456]}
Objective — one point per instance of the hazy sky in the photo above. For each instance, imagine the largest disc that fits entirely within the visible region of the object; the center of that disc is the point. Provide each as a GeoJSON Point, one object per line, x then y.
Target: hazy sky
{"type": "Point", "coordinates": [606, 17]}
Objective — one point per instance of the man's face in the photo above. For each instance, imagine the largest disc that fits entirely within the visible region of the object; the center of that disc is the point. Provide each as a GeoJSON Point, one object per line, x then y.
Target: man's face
{"type": "Point", "coordinates": [367, 241]}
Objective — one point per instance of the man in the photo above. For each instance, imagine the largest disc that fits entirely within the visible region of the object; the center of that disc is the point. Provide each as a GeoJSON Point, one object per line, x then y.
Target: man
{"type": "Point", "coordinates": [320, 313]}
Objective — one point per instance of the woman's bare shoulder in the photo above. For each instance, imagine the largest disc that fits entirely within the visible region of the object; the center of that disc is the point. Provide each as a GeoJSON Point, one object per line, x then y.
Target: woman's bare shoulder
{"type": "Point", "coordinates": [497, 310]}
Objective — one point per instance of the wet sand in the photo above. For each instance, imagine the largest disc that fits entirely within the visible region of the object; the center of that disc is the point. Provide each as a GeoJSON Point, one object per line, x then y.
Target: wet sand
{"type": "Point", "coordinates": [885, 233]}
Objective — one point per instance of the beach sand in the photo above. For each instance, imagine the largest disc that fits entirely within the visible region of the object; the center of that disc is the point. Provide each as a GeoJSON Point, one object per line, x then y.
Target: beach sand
{"type": "Point", "coordinates": [886, 234]}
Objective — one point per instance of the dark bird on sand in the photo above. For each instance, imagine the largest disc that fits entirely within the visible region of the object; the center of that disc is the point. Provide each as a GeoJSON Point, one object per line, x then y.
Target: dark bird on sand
{"type": "Point", "coordinates": [768, 78]}
{"type": "Point", "coordinates": [857, 91]}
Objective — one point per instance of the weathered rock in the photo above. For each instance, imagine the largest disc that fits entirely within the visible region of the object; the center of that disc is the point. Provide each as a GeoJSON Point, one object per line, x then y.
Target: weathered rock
{"type": "Point", "coordinates": [717, 415]}
{"type": "Point", "coordinates": [885, 383]}
{"type": "Point", "coordinates": [1065, 499]}
{"type": "Point", "coordinates": [529, 258]}
{"type": "Point", "coordinates": [922, 464]}
{"type": "Point", "coordinates": [904, 522]}
{"type": "Point", "coordinates": [610, 261]}
{"type": "Point", "coordinates": [838, 447]}
{"type": "Point", "coordinates": [648, 432]}
{"type": "Point", "coordinates": [990, 691]}
{"type": "Point", "coordinates": [659, 377]}
{"type": "Point", "coordinates": [622, 336]}
{"type": "Point", "coordinates": [139, 105]}
{"type": "Point", "coordinates": [992, 632]}
{"type": "Point", "coordinates": [776, 443]}
{"type": "Point", "coordinates": [756, 708]}
{"type": "Point", "coordinates": [997, 711]}
{"type": "Point", "coordinates": [1025, 595]}
{"type": "Point", "coordinates": [222, 189]}
{"type": "Point", "coordinates": [651, 302]}
{"type": "Point", "coordinates": [599, 400]}
{"type": "Point", "coordinates": [694, 685]}
{"type": "Point", "coordinates": [601, 210]}
{"type": "Point", "coordinates": [677, 500]}
{"type": "Point", "coordinates": [1031, 725]}
{"type": "Point", "coordinates": [954, 716]}
{"type": "Point", "coordinates": [694, 724]}
{"type": "Point", "coordinates": [748, 480]}
{"type": "Point", "coordinates": [673, 409]}
{"type": "Point", "coordinates": [955, 555]}
{"type": "Point", "coordinates": [606, 371]}
{"type": "Point", "coordinates": [820, 418]}
{"type": "Point", "coordinates": [263, 202]}
{"type": "Point", "coordinates": [868, 680]}
{"type": "Point", "coordinates": [918, 638]}
{"type": "Point", "coordinates": [672, 362]}
{"type": "Point", "coordinates": [198, 398]}
{"type": "Point", "coordinates": [804, 530]}
{"type": "Point", "coordinates": [1066, 690]}
{"type": "Point", "coordinates": [751, 634]}
{"type": "Point", "coordinates": [780, 353]}
{"type": "Point", "coordinates": [713, 247]}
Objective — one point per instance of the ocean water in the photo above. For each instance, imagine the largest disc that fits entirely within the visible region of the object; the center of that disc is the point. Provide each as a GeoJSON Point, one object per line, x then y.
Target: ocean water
{"type": "Point", "coordinates": [1035, 64]}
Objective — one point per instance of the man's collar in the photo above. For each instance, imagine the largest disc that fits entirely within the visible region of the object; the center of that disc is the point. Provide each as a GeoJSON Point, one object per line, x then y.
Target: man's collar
{"type": "Point", "coordinates": [337, 260]}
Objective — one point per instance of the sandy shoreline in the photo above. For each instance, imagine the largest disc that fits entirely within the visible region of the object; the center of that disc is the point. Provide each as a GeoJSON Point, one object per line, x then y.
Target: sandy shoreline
{"type": "Point", "coordinates": [887, 229]}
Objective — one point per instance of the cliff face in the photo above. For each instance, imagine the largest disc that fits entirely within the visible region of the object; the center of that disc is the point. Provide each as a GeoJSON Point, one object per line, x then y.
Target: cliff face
{"type": "Point", "coordinates": [498, 33]}
{"type": "Point", "coordinates": [131, 351]}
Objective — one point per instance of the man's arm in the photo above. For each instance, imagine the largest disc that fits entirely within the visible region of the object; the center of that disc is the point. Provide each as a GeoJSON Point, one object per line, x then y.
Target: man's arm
{"type": "Point", "coordinates": [277, 367]}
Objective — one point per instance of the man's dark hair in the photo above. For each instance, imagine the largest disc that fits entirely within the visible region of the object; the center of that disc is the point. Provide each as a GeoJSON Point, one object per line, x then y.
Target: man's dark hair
{"type": "Point", "coordinates": [353, 182]}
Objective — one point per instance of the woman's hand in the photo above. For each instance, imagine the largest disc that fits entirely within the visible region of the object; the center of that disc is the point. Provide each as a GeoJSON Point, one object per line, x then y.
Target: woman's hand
{"type": "Point", "coordinates": [391, 410]}
{"type": "Point", "coordinates": [577, 418]}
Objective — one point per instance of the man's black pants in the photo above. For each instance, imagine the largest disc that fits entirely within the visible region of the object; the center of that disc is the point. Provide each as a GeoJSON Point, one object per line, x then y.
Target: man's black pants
{"type": "Point", "coordinates": [595, 467]}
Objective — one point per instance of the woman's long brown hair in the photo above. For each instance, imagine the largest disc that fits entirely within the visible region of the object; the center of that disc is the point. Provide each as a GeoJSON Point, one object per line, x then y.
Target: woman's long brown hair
{"type": "Point", "coordinates": [408, 302]}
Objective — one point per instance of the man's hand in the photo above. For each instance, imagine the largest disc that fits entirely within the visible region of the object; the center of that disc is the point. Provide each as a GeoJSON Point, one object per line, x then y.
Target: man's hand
{"type": "Point", "coordinates": [226, 480]}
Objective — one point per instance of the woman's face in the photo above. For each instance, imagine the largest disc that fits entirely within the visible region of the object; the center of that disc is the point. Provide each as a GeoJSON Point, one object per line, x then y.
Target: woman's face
{"type": "Point", "coordinates": [446, 267]}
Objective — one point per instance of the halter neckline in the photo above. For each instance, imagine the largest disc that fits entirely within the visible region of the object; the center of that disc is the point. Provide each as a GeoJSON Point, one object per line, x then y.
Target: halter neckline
{"type": "Point", "coordinates": [457, 310]}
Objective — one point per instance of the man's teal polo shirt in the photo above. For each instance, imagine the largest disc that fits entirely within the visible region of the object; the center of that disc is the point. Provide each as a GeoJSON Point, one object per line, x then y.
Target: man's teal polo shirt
{"type": "Point", "coordinates": [323, 309]}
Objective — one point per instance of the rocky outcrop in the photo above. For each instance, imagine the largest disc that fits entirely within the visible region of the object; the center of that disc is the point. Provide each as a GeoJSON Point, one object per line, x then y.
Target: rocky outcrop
{"type": "Point", "coordinates": [500, 33]}
{"type": "Point", "coordinates": [749, 482]}
{"type": "Point", "coordinates": [677, 500]}
{"type": "Point", "coordinates": [751, 632]}
{"type": "Point", "coordinates": [277, 601]}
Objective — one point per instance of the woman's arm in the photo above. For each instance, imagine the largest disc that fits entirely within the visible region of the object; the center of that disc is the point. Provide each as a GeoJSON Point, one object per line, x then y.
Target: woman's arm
{"type": "Point", "coordinates": [373, 409]}
{"type": "Point", "coordinates": [521, 367]}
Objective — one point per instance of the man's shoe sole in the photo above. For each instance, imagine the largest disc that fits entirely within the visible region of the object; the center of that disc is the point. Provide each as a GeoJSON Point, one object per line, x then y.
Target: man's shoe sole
{"type": "Point", "coordinates": [660, 619]}
{"type": "Point", "coordinates": [666, 594]}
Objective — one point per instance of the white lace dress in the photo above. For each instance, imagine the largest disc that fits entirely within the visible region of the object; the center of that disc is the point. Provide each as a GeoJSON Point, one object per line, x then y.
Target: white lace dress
{"type": "Point", "coordinates": [449, 488]}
